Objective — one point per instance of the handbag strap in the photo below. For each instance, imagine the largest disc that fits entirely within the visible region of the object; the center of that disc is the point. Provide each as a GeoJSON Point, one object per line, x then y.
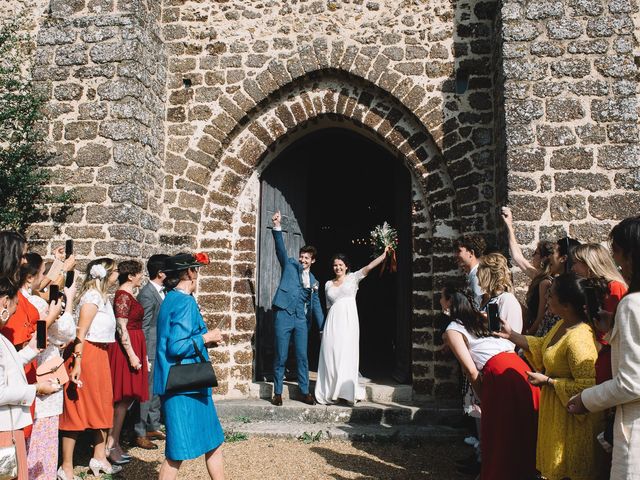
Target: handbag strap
{"type": "Point", "coordinates": [51, 370]}
{"type": "Point", "coordinates": [198, 352]}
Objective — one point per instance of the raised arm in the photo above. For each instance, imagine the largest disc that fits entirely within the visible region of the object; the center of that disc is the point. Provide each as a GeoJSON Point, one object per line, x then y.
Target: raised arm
{"type": "Point", "coordinates": [377, 261]}
{"type": "Point", "coordinates": [514, 248]}
{"type": "Point", "coordinates": [281, 251]}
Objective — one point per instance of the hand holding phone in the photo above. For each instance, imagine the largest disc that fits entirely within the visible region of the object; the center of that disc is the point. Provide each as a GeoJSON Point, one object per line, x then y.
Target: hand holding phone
{"type": "Point", "coordinates": [494, 317]}
{"type": "Point", "coordinates": [54, 293]}
{"type": "Point", "coordinates": [71, 274]}
{"type": "Point", "coordinates": [41, 334]}
{"type": "Point", "coordinates": [68, 248]}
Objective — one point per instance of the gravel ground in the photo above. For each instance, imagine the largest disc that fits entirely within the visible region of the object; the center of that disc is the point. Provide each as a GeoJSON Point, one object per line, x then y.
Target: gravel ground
{"type": "Point", "coordinates": [276, 458]}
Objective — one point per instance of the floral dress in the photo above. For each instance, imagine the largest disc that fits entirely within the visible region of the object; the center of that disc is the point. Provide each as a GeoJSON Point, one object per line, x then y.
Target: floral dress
{"type": "Point", "coordinates": [567, 445]}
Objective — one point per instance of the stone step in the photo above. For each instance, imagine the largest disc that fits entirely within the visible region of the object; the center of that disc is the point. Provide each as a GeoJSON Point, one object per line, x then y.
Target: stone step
{"type": "Point", "coordinates": [354, 432]}
{"type": "Point", "coordinates": [363, 413]}
{"type": "Point", "coordinates": [375, 392]}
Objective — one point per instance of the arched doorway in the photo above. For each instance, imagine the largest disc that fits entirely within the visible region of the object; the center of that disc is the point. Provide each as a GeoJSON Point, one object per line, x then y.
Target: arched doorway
{"type": "Point", "coordinates": [333, 186]}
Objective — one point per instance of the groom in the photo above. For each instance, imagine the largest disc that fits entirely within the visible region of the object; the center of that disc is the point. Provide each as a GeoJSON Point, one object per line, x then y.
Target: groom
{"type": "Point", "coordinates": [294, 302]}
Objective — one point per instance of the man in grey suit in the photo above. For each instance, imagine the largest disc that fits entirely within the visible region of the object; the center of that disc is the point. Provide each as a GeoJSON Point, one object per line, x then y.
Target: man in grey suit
{"type": "Point", "coordinates": [151, 297]}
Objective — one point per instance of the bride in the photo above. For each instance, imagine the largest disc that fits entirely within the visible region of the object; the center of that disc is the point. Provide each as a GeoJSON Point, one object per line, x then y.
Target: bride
{"type": "Point", "coordinates": [340, 348]}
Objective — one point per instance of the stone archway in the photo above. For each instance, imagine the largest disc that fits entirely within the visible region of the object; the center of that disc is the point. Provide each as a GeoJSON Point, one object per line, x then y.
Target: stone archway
{"type": "Point", "coordinates": [230, 220]}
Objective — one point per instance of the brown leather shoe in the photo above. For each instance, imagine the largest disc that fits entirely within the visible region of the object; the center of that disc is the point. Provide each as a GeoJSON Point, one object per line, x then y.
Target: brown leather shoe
{"type": "Point", "coordinates": [144, 442]}
{"type": "Point", "coordinates": [277, 400]}
{"type": "Point", "coordinates": [308, 399]}
{"type": "Point", "coordinates": [156, 435]}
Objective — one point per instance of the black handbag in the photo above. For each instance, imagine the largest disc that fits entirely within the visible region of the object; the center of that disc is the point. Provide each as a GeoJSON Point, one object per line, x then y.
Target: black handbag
{"type": "Point", "coordinates": [191, 376]}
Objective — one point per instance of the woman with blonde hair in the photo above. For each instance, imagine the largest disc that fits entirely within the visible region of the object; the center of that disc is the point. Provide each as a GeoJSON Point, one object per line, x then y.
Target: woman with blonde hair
{"type": "Point", "coordinates": [592, 260]}
{"type": "Point", "coordinates": [88, 400]}
{"type": "Point", "coordinates": [494, 278]}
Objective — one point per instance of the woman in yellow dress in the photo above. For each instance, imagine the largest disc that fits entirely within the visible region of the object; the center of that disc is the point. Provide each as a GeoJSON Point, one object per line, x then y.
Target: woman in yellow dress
{"type": "Point", "coordinates": [564, 360]}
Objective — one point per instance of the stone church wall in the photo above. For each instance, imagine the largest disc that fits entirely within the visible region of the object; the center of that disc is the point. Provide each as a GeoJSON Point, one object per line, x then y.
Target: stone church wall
{"type": "Point", "coordinates": [164, 114]}
{"type": "Point", "coordinates": [571, 116]}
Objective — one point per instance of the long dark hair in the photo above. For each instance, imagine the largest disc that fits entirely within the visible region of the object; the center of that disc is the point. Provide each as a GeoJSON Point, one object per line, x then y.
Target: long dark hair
{"type": "Point", "coordinates": [545, 247]}
{"type": "Point", "coordinates": [11, 245]}
{"type": "Point", "coordinates": [625, 237]}
{"type": "Point", "coordinates": [463, 312]}
{"type": "Point", "coordinates": [8, 288]}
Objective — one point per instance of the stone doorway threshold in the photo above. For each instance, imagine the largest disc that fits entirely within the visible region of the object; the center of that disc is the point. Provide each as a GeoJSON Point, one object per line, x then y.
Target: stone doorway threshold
{"type": "Point", "coordinates": [388, 414]}
{"type": "Point", "coordinates": [385, 391]}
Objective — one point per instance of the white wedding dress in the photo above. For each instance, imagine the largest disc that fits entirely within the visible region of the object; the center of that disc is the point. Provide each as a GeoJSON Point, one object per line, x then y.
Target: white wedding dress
{"type": "Point", "coordinates": [340, 348]}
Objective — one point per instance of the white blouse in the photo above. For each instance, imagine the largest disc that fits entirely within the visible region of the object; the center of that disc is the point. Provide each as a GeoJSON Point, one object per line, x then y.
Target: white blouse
{"type": "Point", "coordinates": [103, 326]}
{"type": "Point", "coordinates": [482, 348]}
{"type": "Point", "coordinates": [59, 334]}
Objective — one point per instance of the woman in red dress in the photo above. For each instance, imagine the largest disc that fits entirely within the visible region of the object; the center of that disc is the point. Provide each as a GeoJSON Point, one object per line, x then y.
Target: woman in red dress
{"type": "Point", "coordinates": [499, 377]}
{"type": "Point", "coordinates": [127, 356]}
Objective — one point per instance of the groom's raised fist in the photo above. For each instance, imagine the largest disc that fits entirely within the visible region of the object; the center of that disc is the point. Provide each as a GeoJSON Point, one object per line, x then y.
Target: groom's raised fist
{"type": "Point", "coordinates": [276, 218]}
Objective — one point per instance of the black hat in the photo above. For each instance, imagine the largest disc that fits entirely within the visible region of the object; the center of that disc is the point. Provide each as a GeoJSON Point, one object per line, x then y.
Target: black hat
{"type": "Point", "coordinates": [182, 261]}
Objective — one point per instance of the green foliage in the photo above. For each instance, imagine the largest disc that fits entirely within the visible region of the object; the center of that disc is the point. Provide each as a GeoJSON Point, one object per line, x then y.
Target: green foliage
{"type": "Point", "coordinates": [243, 419]}
{"type": "Point", "coordinates": [310, 437]}
{"type": "Point", "coordinates": [25, 197]}
{"type": "Point", "coordinates": [231, 436]}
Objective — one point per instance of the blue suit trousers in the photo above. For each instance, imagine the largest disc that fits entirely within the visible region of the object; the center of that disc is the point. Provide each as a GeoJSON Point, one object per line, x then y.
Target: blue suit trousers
{"type": "Point", "coordinates": [285, 325]}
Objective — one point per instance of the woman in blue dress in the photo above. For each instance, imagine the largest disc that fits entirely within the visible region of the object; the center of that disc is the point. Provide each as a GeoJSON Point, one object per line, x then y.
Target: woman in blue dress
{"type": "Point", "coordinates": [193, 428]}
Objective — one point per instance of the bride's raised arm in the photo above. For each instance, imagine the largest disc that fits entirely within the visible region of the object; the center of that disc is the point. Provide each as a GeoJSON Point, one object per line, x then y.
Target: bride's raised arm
{"type": "Point", "coordinates": [377, 261]}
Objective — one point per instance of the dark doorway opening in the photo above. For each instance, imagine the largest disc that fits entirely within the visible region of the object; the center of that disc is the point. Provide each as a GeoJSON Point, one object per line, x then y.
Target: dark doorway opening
{"type": "Point", "coordinates": [333, 187]}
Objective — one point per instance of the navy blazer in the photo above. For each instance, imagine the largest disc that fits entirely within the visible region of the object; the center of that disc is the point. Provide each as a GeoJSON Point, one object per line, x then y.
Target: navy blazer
{"type": "Point", "coordinates": [179, 321]}
{"type": "Point", "coordinates": [290, 289]}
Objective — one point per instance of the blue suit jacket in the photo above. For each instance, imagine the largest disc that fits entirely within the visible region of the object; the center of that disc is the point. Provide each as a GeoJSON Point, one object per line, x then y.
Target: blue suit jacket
{"type": "Point", "coordinates": [290, 289]}
{"type": "Point", "coordinates": [179, 321]}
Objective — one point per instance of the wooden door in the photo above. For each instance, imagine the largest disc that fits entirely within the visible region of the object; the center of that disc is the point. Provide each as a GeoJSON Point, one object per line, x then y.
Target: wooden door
{"type": "Point", "coordinates": [284, 188]}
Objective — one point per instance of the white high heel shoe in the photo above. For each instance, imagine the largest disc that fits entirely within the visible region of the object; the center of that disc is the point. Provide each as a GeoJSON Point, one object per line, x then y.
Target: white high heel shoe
{"type": "Point", "coordinates": [60, 475]}
{"type": "Point", "coordinates": [96, 466]}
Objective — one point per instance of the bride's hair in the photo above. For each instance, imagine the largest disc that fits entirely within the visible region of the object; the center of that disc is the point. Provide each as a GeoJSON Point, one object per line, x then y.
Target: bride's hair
{"type": "Point", "coordinates": [343, 258]}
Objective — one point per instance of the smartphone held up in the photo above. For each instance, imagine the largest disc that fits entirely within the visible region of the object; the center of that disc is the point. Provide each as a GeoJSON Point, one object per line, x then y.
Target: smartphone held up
{"type": "Point", "coordinates": [494, 317]}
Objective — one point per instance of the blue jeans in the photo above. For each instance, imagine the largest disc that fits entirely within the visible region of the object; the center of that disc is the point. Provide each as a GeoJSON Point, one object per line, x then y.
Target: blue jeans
{"type": "Point", "coordinates": [285, 325]}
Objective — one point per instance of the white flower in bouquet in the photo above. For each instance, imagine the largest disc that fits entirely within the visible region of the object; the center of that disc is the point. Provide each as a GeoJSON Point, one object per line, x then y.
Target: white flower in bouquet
{"type": "Point", "coordinates": [383, 236]}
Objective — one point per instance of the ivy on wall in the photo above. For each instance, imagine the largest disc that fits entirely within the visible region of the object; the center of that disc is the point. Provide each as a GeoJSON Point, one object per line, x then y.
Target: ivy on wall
{"type": "Point", "coordinates": [25, 195]}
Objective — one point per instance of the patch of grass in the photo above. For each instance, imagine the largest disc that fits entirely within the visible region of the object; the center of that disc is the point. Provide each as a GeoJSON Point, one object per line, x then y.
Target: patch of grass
{"type": "Point", "coordinates": [231, 436]}
{"type": "Point", "coordinates": [310, 437]}
{"type": "Point", "coordinates": [242, 418]}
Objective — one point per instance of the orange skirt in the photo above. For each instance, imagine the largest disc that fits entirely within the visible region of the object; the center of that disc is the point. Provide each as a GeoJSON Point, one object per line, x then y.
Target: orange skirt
{"type": "Point", "coordinates": [21, 449]}
{"type": "Point", "coordinates": [89, 406]}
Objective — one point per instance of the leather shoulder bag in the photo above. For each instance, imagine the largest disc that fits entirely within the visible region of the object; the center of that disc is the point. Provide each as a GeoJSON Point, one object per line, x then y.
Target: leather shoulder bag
{"type": "Point", "coordinates": [191, 376]}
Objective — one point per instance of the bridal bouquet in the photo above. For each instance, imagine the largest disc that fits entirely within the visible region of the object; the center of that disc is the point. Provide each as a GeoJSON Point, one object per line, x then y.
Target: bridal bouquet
{"type": "Point", "coordinates": [384, 236]}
